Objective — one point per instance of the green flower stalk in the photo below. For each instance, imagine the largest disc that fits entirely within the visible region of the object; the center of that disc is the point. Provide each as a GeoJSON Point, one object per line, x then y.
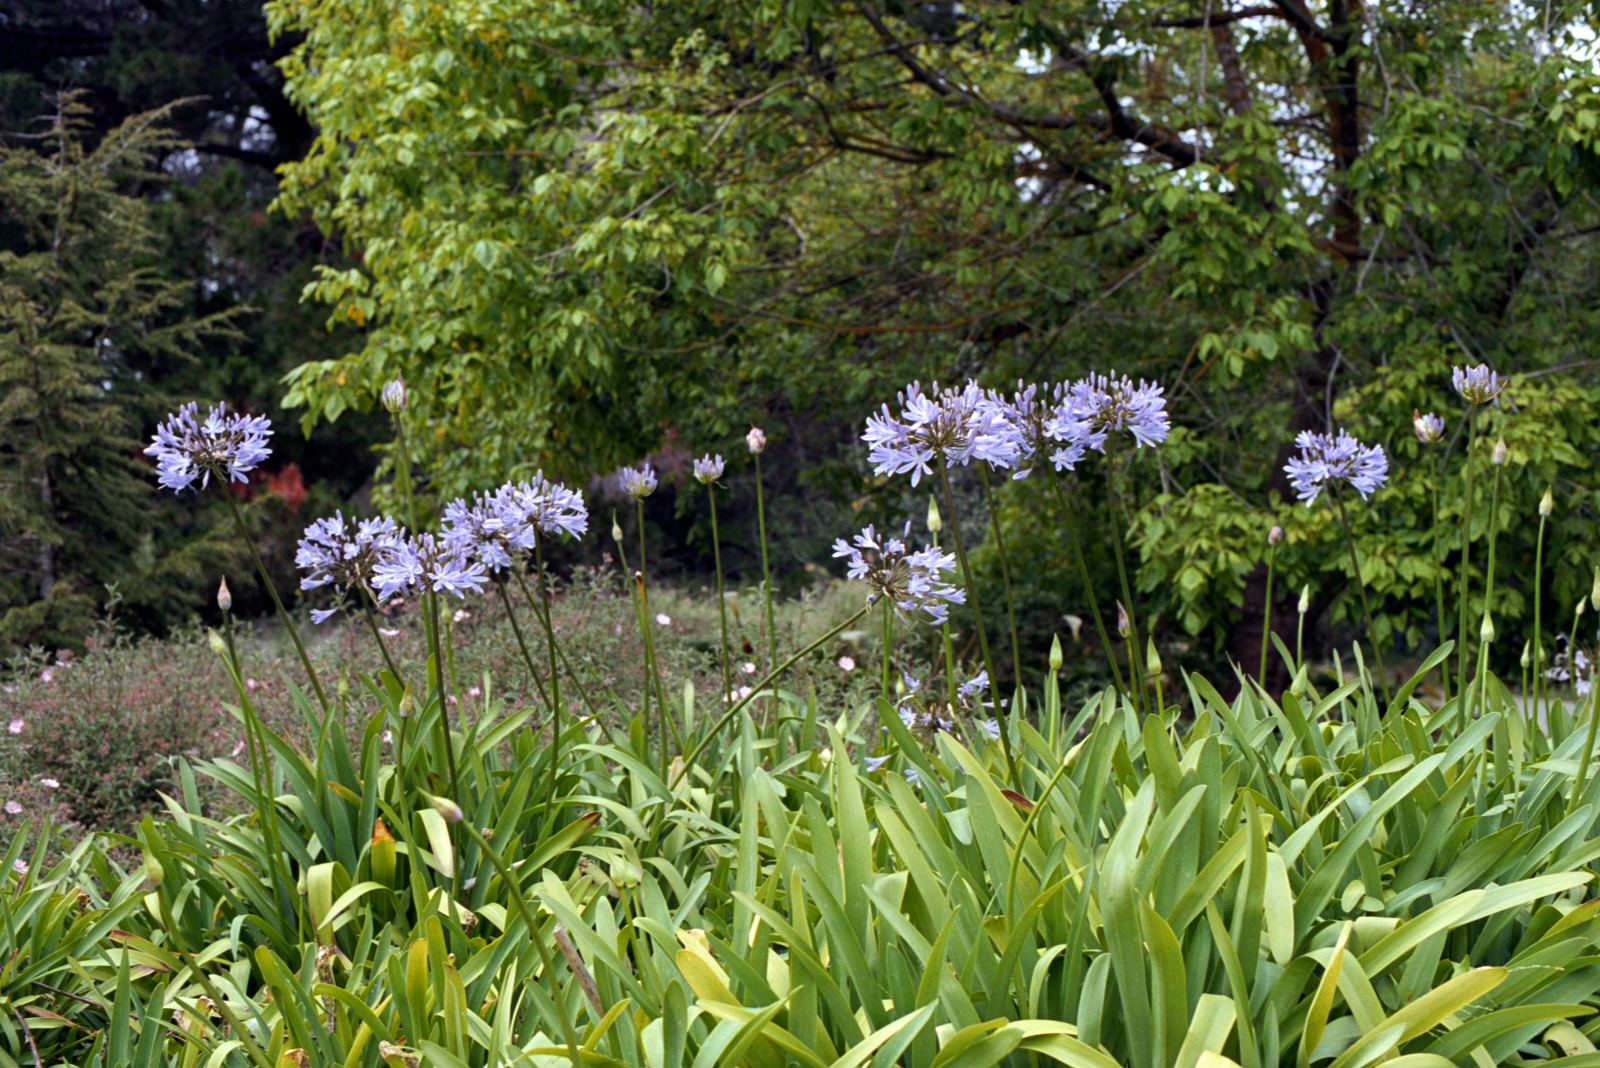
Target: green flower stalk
{"type": "Point", "coordinates": [1300, 628]}
{"type": "Point", "coordinates": [756, 442]}
{"type": "Point", "coordinates": [1135, 668]}
{"type": "Point", "coordinates": [1430, 430]}
{"type": "Point", "coordinates": [1003, 715]}
{"type": "Point", "coordinates": [1478, 386]}
{"type": "Point", "coordinates": [1274, 536]}
{"type": "Point", "coordinates": [1088, 587]}
{"type": "Point", "coordinates": [935, 525]}
{"type": "Point", "coordinates": [1547, 505]}
{"type": "Point", "coordinates": [707, 471]}
{"type": "Point", "coordinates": [1005, 576]}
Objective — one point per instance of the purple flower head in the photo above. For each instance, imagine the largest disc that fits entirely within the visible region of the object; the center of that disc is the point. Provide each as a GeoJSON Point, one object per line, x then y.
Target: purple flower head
{"type": "Point", "coordinates": [1477, 385]}
{"type": "Point", "coordinates": [874, 763]}
{"type": "Point", "coordinates": [1109, 404]}
{"type": "Point", "coordinates": [424, 563]}
{"type": "Point", "coordinates": [1329, 458]}
{"type": "Point", "coordinates": [230, 445]}
{"type": "Point", "coordinates": [495, 528]}
{"type": "Point", "coordinates": [973, 687]}
{"type": "Point", "coordinates": [334, 551]}
{"type": "Point", "coordinates": [1429, 428]}
{"type": "Point", "coordinates": [638, 482]}
{"type": "Point", "coordinates": [956, 425]}
{"type": "Point", "coordinates": [708, 468]}
{"type": "Point", "coordinates": [911, 580]}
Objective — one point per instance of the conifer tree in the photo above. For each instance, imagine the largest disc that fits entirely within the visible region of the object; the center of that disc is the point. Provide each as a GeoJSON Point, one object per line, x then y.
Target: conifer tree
{"type": "Point", "coordinates": [83, 305]}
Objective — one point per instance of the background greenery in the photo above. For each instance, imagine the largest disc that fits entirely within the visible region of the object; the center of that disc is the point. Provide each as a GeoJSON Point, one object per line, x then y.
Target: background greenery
{"type": "Point", "coordinates": [592, 230]}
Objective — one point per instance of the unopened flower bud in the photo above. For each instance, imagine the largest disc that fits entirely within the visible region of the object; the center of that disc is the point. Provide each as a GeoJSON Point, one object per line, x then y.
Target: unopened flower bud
{"type": "Point", "coordinates": [1525, 649]}
{"type": "Point", "coordinates": [1152, 659]}
{"type": "Point", "coordinates": [616, 528]}
{"type": "Point", "coordinates": [1275, 535]}
{"type": "Point", "coordinates": [1055, 653]}
{"type": "Point", "coordinates": [935, 520]}
{"type": "Point", "coordinates": [344, 688]}
{"type": "Point", "coordinates": [1547, 503]}
{"type": "Point", "coordinates": [1500, 454]}
{"type": "Point", "coordinates": [1429, 428]}
{"type": "Point", "coordinates": [407, 705]}
{"type": "Point", "coordinates": [218, 646]}
{"type": "Point", "coordinates": [394, 395]}
{"type": "Point", "coordinates": [1305, 598]}
{"type": "Point", "coordinates": [1123, 625]}
{"type": "Point", "coordinates": [1594, 594]}
{"type": "Point", "coordinates": [1486, 632]}
{"type": "Point", "coordinates": [756, 440]}
{"type": "Point", "coordinates": [445, 807]}
{"type": "Point", "coordinates": [224, 596]}
{"type": "Point", "coordinates": [1582, 604]}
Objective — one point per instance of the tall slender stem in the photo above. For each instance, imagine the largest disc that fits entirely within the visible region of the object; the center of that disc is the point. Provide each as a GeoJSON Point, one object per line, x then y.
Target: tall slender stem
{"type": "Point", "coordinates": [722, 601]}
{"type": "Point", "coordinates": [1438, 578]}
{"type": "Point", "coordinates": [1135, 668]}
{"type": "Point", "coordinates": [1005, 579]}
{"type": "Point", "coordinates": [566, 665]}
{"type": "Point", "coordinates": [1266, 617]}
{"type": "Point", "coordinates": [766, 571]}
{"type": "Point", "coordinates": [516, 629]}
{"type": "Point", "coordinates": [637, 581]}
{"type": "Point", "coordinates": [377, 635]}
{"type": "Point", "coordinates": [1466, 550]}
{"type": "Point", "coordinates": [654, 674]}
{"type": "Point", "coordinates": [1494, 518]}
{"type": "Point", "coordinates": [888, 637]}
{"type": "Point", "coordinates": [437, 656]}
{"type": "Point", "coordinates": [1366, 608]}
{"type": "Point", "coordinates": [260, 773]}
{"type": "Point", "coordinates": [1002, 714]}
{"type": "Point", "coordinates": [1538, 622]}
{"type": "Point", "coordinates": [283, 614]}
{"type": "Point", "coordinates": [739, 705]}
{"type": "Point", "coordinates": [1088, 586]}
{"type": "Point", "coordinates": [1589, 737]}
{"type": "Point", "coordinates": [555, 671]}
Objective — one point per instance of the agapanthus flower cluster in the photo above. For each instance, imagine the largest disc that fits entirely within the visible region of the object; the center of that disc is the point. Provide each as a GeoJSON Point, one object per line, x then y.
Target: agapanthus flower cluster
{"type": "Point", "coordinates": [1477, 385]}
{"type": "Point", "coordinates": [638, 482]}
{"type": "Point", "coordinates": [953, 425]}
{"type": "Point", "coordinates": [494, 528]}
{"type": "Point", "coordinates": [1574, 668]}
{"type": "Point", "coordinates": [1326, 459]}
{"type": "Point", "coordinates": [1429, 428]}
{"type": "Point", "coordinates": [424, 563]}
{"type": "Point", "coordinates": [912, 581]}
{"type": "Point", "coordinates": [230, 445]}
{"type": "Point", "coordinates": [1042, 421]}
{"type": "Point", "coordinates": [1112, 404]}
{"type": "Point", "coordinates": [336, 551]}
{"type": "Point", "coordinates": [708, 468]}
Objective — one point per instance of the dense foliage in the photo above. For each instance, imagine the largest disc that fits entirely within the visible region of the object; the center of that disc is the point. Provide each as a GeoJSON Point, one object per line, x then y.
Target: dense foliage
{"type": "Point", "coordinates": [584, 222]}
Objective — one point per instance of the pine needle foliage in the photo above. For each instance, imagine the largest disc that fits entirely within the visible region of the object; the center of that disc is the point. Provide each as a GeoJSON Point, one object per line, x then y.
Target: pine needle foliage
{"type": "Point", "coordinates": [83, 305]}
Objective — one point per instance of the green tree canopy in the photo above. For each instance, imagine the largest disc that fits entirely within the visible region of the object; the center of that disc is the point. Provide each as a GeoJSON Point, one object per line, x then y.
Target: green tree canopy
{"type": "Point", "coordinates": [580, 223]}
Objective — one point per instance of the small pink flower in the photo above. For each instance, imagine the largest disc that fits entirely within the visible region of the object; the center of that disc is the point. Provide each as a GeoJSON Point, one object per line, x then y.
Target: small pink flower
{"type": "Point", "coordinates": [847, 663]}
{"type": "Point", "coordinates": [451, 700]}
{"type": "Point", "coordinates": [616, 628]}
{"type": "Point", "coordinates": [252, 685]}
{"type": "Point", "coordinates": [388, 632]}
{"type": "Point", "coordinates": [238, 747]}
{"type": "Point", "coordinates": [475, 692]}
{"type": "Point", "coordinates": [663, 619]}
{"type": "Point", "coordinates": [461, 616]}
{"type": "Point", "coordinates": [17, 725]}
{"type": "Point", "coordinates": [748, 668]}
{"type": "Point", "coordinates": [19, 866]}
{"type": "Point", "coordinates": [49, 784]}
{"type": "Point", "coordinates": [47, 675]}
{"type": "Point", "coordinates": [14, 808]}
{"type": "Point", "coordinates": [388, 737]}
